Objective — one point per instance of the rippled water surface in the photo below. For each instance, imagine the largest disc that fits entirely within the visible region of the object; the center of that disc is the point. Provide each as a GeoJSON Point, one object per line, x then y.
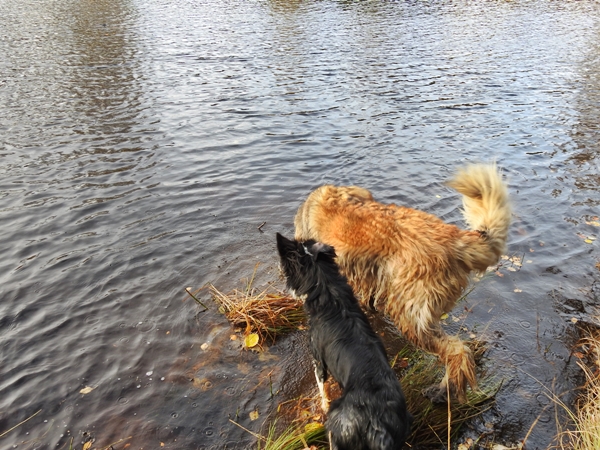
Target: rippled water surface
{"type": "Point", "coordinates": [143, 142]}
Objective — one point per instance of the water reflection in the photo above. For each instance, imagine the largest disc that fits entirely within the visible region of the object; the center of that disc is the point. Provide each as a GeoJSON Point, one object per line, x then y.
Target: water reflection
{"type": "Point", "coordinates": [585, 156]}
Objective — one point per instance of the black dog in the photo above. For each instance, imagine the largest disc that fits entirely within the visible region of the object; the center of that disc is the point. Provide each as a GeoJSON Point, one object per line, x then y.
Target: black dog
{"type": "Point", "coordinates": [371, 413]}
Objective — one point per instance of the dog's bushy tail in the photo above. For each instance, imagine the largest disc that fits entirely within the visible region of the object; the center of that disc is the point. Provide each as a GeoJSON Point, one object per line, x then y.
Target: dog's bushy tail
{"type": "Point", "coordinates": [486, 210]}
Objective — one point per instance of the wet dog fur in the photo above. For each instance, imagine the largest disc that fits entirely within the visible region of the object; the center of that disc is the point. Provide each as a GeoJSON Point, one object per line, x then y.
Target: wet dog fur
{"type": "Point", "coordinates": [371, 414]}
{"type": "Point", "coordinates": [410, 264]}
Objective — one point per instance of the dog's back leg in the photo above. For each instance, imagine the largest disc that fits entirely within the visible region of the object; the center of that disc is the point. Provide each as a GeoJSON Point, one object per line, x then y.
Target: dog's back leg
{"type": "Point", "coordinates": [321, 376]}
{"type": "Point", "coordinates": [453, 353]}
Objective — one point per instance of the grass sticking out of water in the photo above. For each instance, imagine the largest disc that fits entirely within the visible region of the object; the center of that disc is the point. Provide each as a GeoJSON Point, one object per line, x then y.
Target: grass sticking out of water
{"type": "Point", "coordinates": [585, 434]}
{"type": "Point", "coordinates": [268, 312]}
{"type": "Point", "coordinates": [294, 438]}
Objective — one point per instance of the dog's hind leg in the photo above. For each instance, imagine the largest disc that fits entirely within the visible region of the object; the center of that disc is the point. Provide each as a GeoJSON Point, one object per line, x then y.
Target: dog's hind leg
{"type": "Point", "coordinates": [460, 368]}
{"type": "Point", "coordinates": [321, 376]}
{"type": "Point", "coordinates": [453, 353]}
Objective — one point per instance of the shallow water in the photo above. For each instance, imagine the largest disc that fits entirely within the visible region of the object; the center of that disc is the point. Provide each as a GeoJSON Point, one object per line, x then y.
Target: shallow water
{"type": "Point", "coordinates": [143, 143]}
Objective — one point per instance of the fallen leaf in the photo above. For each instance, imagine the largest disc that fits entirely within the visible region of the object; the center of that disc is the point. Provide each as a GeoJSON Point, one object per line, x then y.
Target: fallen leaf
{"type": "Point", "coordinates": [574, 319]}
{"type": "Point", "coordinates": [162, 444]}
{"type": "Point", "coordinates": [518, 290]}
{"type": "Point", "coordinates": [204, 346]}
{"type": "Point", "coordinates": [593, 223]}
{"type": "Point", "coordinates": [588, 241]}
{"type": "Point", "coordinates": [251, 340]}
{"type": "Point", "coordinates": [87, 390]}
{"type": "Point", "coordinates": [403, 363]}
{"type": "Point", "coordinates": [472, 335]}
{"type": "Point", "coordinates": [233, 337]}
{"type": "Point", "coordinates": [254, 415]}
{"type": "Point", "coordinates": [168, 332]}
{"type": "Point", "coordinates": [87, 445]}
{"type": "Point", "coordinates": [511, 269]}
{"type": "Point", "coordinates": [204, 384]}
{"type": "Point", "coordinates": [579, 355]}
{"type": "Point", "coordinates": [444, 316]}
{"type": "Point", "coordinates": [529, 261]}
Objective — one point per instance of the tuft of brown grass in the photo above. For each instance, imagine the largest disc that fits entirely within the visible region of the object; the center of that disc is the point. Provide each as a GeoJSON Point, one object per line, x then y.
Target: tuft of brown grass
{"type": "Point", "coordinates": [268, 312]}
{"type": "Point", "coordinates": [295, 437]}
{"type": "Point", "coordinates": [585, 434]}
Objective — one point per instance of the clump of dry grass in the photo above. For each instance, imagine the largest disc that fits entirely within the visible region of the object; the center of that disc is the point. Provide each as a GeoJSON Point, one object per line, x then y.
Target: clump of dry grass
{"type": "Point", "coordinates": [586, 417]}
{"type": "Point", "coordinates": [268, 312]}
{"type": "Point", "coordinates": [295, 437]}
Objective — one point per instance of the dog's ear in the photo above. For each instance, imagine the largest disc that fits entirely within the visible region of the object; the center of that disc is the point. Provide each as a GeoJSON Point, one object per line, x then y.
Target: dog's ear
{"type": "Point", "coordinates": [318, 249]}
{"type": "Point", "coordinates": [285, 245]}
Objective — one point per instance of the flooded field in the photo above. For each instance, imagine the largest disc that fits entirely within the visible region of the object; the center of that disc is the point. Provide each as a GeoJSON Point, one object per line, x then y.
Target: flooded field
{"type": "Point", "coordinates": [142, 144]}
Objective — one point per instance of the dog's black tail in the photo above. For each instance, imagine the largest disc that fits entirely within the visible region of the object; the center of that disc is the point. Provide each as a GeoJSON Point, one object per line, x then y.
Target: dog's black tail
{"type": "Point", "coordinates": [352, 427]}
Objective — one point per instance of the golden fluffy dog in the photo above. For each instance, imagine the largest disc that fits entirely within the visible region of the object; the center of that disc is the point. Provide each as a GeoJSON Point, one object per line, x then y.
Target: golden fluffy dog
{"type": "Point", "coordinates": [411, 264]}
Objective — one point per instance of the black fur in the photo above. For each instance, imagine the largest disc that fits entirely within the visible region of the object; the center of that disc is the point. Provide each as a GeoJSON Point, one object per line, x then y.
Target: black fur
{"type": "Point", "coordinates": [371, 414]}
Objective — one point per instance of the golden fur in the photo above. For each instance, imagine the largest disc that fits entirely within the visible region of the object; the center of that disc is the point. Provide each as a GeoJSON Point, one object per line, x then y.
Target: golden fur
{"type": "Point", "coordinates": [411, 264]}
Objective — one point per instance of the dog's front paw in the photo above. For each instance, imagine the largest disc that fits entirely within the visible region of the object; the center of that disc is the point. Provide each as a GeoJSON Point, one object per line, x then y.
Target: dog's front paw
{"type": "Point", "coordinates": [436, 394]}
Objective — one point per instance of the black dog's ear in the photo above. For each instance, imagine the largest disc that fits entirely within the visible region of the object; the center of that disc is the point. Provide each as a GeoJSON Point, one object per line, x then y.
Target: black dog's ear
{"type": "Point", "coordinates": [285, 245]}
{"type": "Point", "coordinates": [319, 249]}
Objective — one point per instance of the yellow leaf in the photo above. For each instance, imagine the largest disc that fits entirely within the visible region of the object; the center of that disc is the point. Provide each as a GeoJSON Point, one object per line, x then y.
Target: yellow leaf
{"type": "Point", "coordinates": [251, 340]}
{"type": "Point", "coordinates": [87, 390]}
{"type": "Point", "coordinates": [233, 337]}
{"type": "Point", "coordinates": [204, 346]}
{"type": "Point", "coordinates": [162, 444]}
{"type": "Point", "coordinates": [594, 223]}
{"type": "Point", "coordinates": [87, 445]}
{"type": "Point", "coordinates": [444, 316]}
{"type": "Point", "coordinates": [588, 241]}
{"type": "Point", "coordinates": [574, 319]}
{"type": "Point", "coordinates": [254, 415]}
